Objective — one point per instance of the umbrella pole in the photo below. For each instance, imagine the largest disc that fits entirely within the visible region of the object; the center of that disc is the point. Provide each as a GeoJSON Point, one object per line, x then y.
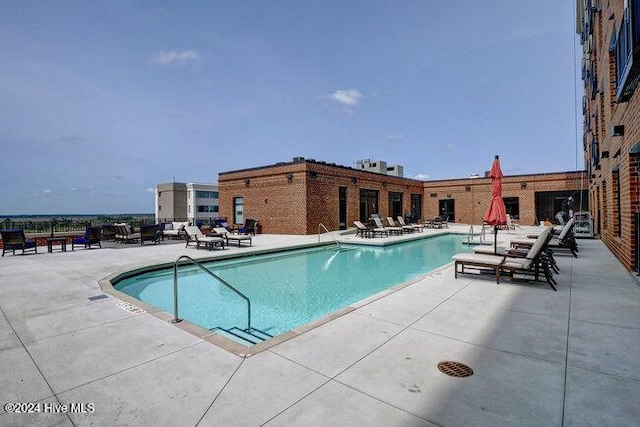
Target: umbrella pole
{"type": "Point", "coordinates": [495, 239]}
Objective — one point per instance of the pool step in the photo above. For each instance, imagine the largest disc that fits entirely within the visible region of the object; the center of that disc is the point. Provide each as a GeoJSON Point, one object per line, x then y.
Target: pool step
{"type": "Point", "coordinates": [244, 336]}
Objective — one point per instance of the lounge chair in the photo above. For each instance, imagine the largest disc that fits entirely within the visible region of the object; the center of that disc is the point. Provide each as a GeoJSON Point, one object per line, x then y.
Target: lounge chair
{"type": "Point", "coordinates": [416, 227]}
{"type": "Point", "coordinates": [15, 239]}
{"type": "Point", "coordinates": [109, 232]}
{"type": "Point", "coordinates": [175, 230]}
{"type": "Point", "coordinates": [565, 242]}
{"type": "Point", "coordinates": [371, 231]}
{"type": "Point", "coordinates": [195, 236]}
{"type": "Point", "coordinates": [362, 230]}
{"type": "Point", "coordinates": [91, 237]}
{"type": "Point", "coordinates": [149, 233]}
{"type": "Point", "coordinates": [508, 226]}
{"type": "Point", "coordinates": [435, 223]}
{"type": "Point", "coordinates": [227, 235]}
{"type": "Point", "coordinates": [404, 228]}
{"type": "Point", "coordinates": [390, 230]}
{"type": "Point", "coordinates": [125, 234]}
{"type": "Point", "coordinates": [529, 266]}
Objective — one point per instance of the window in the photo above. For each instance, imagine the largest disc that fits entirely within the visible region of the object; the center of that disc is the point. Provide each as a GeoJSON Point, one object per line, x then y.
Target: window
{"type": "Point", "coordinates": [617, 215]}
{"type": "Point", "coordinates": [238, 210]}
{"type": "Point", "coordinates": [627, 61]}
{"type": "Point", "coordinates": [595, 152]}
{"type": "Point", "coordinates": [512, 206]}
{"type": "Point", "coordinates": [395, 204]}
{"type": "Point", "coordinates": [416, 205]}
{"type": "Point", "coordinates": [207, 208]}
{"type": "Point", "coordinates": [605, 207]}
{"type": "Point", "coordinates": [200, 194]}
{"type": "Point", "coordinates": [368, 204]}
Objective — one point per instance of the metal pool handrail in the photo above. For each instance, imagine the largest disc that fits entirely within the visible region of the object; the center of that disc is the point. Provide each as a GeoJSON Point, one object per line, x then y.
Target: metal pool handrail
{"type": "Point", "coordinates": [470, 236]}
{"type": "Point", "coordinates": [210, 273]}
{"type": "Point", "coordinates": [330, 235]}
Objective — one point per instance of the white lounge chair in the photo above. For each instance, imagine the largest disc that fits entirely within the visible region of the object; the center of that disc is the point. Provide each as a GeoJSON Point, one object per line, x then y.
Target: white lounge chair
{"type": "Point", "coordinates": [365, 231]}
{"type": "Point", "coordinates": [416, 227]}
{"type": "Point", "coordinates": [404, 228]}
{"type": "Point", "coordinates": [396, 230]}
{"type": "Point", "coordinates": [225, 234]}
{"type": "Point", "coordinates": [528, 266]}
{"type": "Point", "coordinates": [195, 236]}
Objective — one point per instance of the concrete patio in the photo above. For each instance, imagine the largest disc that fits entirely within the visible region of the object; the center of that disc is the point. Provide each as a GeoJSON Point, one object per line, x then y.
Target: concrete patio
{"type": "Point", "coordinates": [540, 358]}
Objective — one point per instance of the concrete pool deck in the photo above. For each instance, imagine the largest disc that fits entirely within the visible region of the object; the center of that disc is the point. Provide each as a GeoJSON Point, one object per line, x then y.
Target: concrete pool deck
{"type": "Point", "coordinates": [566, 358]}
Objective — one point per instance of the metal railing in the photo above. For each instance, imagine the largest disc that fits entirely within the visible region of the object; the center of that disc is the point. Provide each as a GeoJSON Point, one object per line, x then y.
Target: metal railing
{"type": "Point", "coordinates": [331, 235]}
{"type": "Point", "coordinates": [71, 224]}
{"type": "Point", "coordinates": [471, 235]}
{"type": "Point", "coordinates": [176, 319]}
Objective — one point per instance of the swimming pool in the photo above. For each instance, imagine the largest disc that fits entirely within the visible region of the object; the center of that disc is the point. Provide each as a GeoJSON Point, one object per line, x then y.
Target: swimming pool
{"type": "Point", "coordinates": [292, 288]}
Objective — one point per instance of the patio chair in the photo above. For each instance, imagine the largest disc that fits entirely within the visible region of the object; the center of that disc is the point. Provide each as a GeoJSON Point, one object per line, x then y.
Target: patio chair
{"type": "Point", "coordinates": [109, 232]}
{"type": "Point", "coordinates": [125, 234]}
{"type": "Point", "coordinates": [436, 222]}
{"type": "Point", "coordinates": [15, 239]}
{"type": "Point", "coordinates": [370, 231]}
{"type": "Point", "coordinates": [92, 236]}
{"type": "Point", "coordinates": [390, 230]}
{"type": "Point", "coordinates": [565, 242]}
{"type": "Point", "coordinates": [530, 266]}
{"type": "Point", "coordinates": [250, 227]}
{"type": "Point", "coordinates": [195, 236]}
{"type": "Point", "coordinates": [225, 234]}
{"type": "Point", "coordinates": [404, 228]}
{"type": "Point", "coordinates": [149, 233]}
{"type": "Point", "coordinates": [362, 230]}
{"type": "Point", "coordinates": [416, 227]}
{"type": "Point", "coordinates": [175, 230]}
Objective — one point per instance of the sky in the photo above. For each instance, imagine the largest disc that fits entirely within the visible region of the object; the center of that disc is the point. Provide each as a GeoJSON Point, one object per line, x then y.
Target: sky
{"type": "Point", "coordinates": [100, 101]}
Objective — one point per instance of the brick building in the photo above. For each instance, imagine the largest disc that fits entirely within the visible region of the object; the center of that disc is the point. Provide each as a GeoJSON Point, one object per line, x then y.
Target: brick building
{"type": "Point", "coordinates": [295, 197]}
{"type": "Point", "coordinates": [610, 37]}
{"type": "Point", "coordinates": [529, 199]}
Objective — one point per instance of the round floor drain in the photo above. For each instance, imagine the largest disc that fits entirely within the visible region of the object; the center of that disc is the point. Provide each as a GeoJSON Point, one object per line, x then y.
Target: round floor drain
{"type": "Point", "coordinates": [455, 369]}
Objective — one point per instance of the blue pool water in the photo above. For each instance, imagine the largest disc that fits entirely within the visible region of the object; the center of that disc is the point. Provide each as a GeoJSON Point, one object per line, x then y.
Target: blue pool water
{"type": "Point", "coordinates": [292, 288]}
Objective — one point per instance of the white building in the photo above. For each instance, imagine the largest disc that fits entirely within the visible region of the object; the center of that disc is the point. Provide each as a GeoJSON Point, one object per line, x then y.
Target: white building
{"type": "Point", "coordinates": [177, 201]}
{"type": "Point", "coordinates": [379, 166]}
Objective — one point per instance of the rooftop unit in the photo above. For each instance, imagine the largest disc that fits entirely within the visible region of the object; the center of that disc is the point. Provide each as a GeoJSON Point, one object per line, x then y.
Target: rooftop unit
{"type": "Point", "coordinates": [379, 166]}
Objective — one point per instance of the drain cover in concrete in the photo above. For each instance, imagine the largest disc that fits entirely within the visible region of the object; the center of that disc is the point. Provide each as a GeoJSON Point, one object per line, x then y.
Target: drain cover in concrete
{"type": "Point", "coordinates": [455, 369]}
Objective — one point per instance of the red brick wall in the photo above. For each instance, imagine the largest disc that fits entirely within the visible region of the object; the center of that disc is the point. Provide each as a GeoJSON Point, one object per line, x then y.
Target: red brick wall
{"type": "Point", "coordinates": [297, 206]}
{"type": "Point", "coordinates": [310, 198]}
{"type": "Point", "coordinates": [472, 195]}
{"type": "Point", "coordinates": [615, 158]}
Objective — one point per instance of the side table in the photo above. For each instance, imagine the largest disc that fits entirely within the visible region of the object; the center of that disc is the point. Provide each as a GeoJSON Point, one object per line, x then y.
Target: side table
{"type": "Point", "coordinates": [62, 241]}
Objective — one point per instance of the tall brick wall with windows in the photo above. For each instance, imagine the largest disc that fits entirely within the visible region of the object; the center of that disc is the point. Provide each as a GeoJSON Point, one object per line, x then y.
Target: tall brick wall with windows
{"type": "Point", "coordinates": [471, 196]}
{"type": "Point", "coordinates": [298, 203]}
{"type": "Point", "coordinates": [613, 169]}
{"type": "Point", "coordinates": [295, 197]}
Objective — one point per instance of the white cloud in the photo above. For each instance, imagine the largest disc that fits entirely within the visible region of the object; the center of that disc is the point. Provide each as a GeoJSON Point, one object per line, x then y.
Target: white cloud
{"type": "Point", "coordinates": [174, 57]}
{"type": "Point", "coordinates": [422, 176]}
{"type": "Point", "coordinates": [47, 191]}
{"type": "Point", "coordinates": [150, 190]}
{"type": "Point", "coordinates": [349, 97]}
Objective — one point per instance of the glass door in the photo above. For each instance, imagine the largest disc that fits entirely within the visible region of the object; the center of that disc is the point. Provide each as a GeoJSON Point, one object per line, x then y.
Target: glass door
{"type": "Point", "coordinates": [238, 210]}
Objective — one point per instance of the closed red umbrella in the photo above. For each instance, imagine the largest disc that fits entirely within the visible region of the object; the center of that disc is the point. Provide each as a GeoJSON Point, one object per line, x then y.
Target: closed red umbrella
{"type": "Point", "coordinates": [496, 213]}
